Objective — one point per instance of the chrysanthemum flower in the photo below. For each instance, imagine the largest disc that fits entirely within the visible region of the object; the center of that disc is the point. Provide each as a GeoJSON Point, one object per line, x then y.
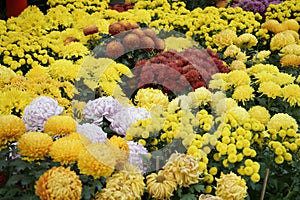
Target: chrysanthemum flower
{"type": "Point", "coordinates": [262, 55]}
{"type": "Point", "coordinates": [291, 94]}
{"type": "Point", "coordinates": [243, 93]}
{"type": "Point", "coordinates": [184, 167]}
{"type": "Point", "coordinates": [231, 186]}
{"type": "Point", "coordinates": [248, 40]}
{"type": "Point", "coordinates": [6, 74]}
{"type": "Point", "coordinates": [149, 97]}
{"type": "Point", "coordinates": [282, 121]}
{"type": "Point", "coordinates": [270, 89]}
{"type": "Point", "coordinates": [138, 155]}
{"type": "Point", "coordinates": [209, 197]}
{"type": "Point", "coordinates": [231, 51]}
{"type": "Point", "coordinates": [92, 131]}
{"type": "Point", "coordinates": [201, 95]}
{"type": "Point", "coordinates": [121, 121]}
{"type": "Point", "coordinates": [121, 152]}
{"type": "Point", "coordinates": [58, 183]}
{"type": "Point", "coordinates": [281, 40]}
{"type": "Point", "coordinates": [64, 70]}
{"type": "Point", "coordinates": [101, 107]}
{"type": "Point", "coordinates": [238, 77]}
{"type": "Point", "coordinates": [225, 104]}
{"type": "Point", "coordinates": [65, 150]}
{"type": "Point", "coordinates": [11, 129]}
{"type": "Point", "coordinates": [125, 184]}
{"type": "Point", "coordinates": [290, 60]}
{"type": "Point", "coordinates": [161, 185]}
{"type": "Point", "coordinates": [237, 65]}
{"type": "Point", "coordinates": [259, 113]}
{"type": "Point", "coordinates": [40, 109]}
{"type": "Point", "coordinates": [225, 38]}
{"type": "Point", "coordinates": [97, 160]}
{"type": "Point", "coordinates": [290, 49]}
{"type": "Point", "coordinates": [60, 125]}
{"type": "Point", "coordinates": [34, 146]}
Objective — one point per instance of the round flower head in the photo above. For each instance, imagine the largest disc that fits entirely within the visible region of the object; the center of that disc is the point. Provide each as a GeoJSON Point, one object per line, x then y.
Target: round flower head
{"type": "Point", "coordinates": [270, 89]}
{"type": "Point", "coordinates": [238, 77]}
{"type": "Point", "coordinates": [281, 40]}
{"type": "Point", "coordinates": [225, 104]}
{"type": "Point", "coordinates": [60, 125]}
{"type": "Point", "coordinates": [121, 149]}
{"type": "Point", "coordinates": [237, 65]}
{"type": "Point", "coordinates": [92, 131]}
{"type": "Point", "coordinates": [248, 40]}
{"type": "Point", "coordinates": [291, 94]}
{"type": "Point", "coordinates": [6, 75]}
{"type": "Point", "coordinates": [184, 167]}
{"type": "Point", "coordinates": [101, 107]}
{"type": "Point", "coordinates": [260, 113]}
{"type": "Point", "coordinates": [34, 146]}
{"type": "Point", "coordinates": [138, 155]}
{"type": "Point", "coordinates": [262, 55]}
{"type": "Point", "coordinates": [209, 197]}
{"type": "Point", "coordinates": [291, 24]}
{"type": "Point", "coordinates": [11, 129]}
{"type": "Point", "coordinates": [121, 121]}
{"type": "Point", "coordinates": [243, 93]}
{"type": "Point", "coordinates": [231, 186]}
{"type": "Point", "coordinates": [225, 38]}
{"type": "Point", "coordinates": [282, 121]}
{"type": "Point", "coordinates": [149, 97]}
{"type": "Point", "coordinates": [65, 150]}
{"type": "Point", "coordinates": [232, 51]}
{"type": "Point", "coordinates": [124, 184]}
{"type": "Point", "coordinates": [97, 160]}
{"type": "Point", "coordinates": [161, 185]}
{"type": "Point", "coordinates": [40, 109]}
{"type": "Point", "coordinates": [290, 60]}
{"type": "Point", "coordinates": [201, 96]}
{"type": "Point", "coordinates": [58, 183]}
{"type": "Point", "coordinates": [290, 49]}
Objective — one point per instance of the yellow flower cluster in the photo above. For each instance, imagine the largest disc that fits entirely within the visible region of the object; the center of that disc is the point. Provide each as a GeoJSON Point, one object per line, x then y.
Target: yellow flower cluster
{"type": "Point", "coordinates": [85, 5]}
{"type": "Point", "coordinates": [283, 11]}
{"type": "Point", "coordinates": [149, 97]}
{"type": "Point", "coordinates": [58, 183]}
{"type": "Point", "coordinates": [282, 39]}
{"type": "Point", "coordinates": [121, 149]}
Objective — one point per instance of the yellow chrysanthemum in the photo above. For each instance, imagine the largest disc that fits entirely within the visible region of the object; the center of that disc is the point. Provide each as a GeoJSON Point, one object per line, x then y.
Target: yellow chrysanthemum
{"type": "Point", "coordinates": [34, 145]}
{"type": "Point", "coordinates": [260, 113]}
{"type": "Point", "coordinates": [79, 136]}
{"type": "Point", "coordinates": [238, 77]}
{"type": "Point", "coordinates": [201, 96]}
{"type": "Point", "coordinates": [272, 25]}
{"type": "Point", "coordinates": [246, 40]}
{"type": "Point", "coordinates": [231, 51]}
{"type": "Point", "coordinates": [290, 49]}
{"type": "Point", "coordinates": [149, 97]}
{"type": "Point", "coordinates": [282, 121]}
{"type": "Point", "coordinates": [60, 125]}
{"type": "Point", "coordinates": [225, 104]}
{"type": "Point", "coordinates": [178, 43]}
{"type": "Point", "coordinates": [243, 93]}
{"type": "Point", "coordinates": [262, 55]}
{"type": "Point", "coordinates": [270, 89]}
{"type": "Point", "coordinates": [161, 185]}
{"type": "Point", "coordinates": [231, 186]}
{"type": "Point", "coordinates": [125, 184]}
{"type": "Point", "coordinates": [237, 65]}
{"type": "Point", "coordinates": [6, 75]}
{"type": "Point", "coordinates": [209, 197]}
{"type": "Point", "coordinates": [291, 94]}
{"type": "Point", "coordinates": [65, 150]}
{"type": "Point", "coordinates": [11, 129]}
{"type": "Point", "coordinates": [97, 160]}
{"type": "Point", "coordinates": [184, 167]}
{"type": "Point", "coordinates": [225, 38]}
{"type": "Point", "coordinates": [58, 183]}
{"type": "Point", "coordinates": [122, 150]}
{"type": "Point", "coordinates": [291, 24]}
{"type": "Point", "coordinates": [281, 40]}
{"type": "Point", "coordinates": [290, 60]}
{"type": "Point", "coordinates": [64, 70]}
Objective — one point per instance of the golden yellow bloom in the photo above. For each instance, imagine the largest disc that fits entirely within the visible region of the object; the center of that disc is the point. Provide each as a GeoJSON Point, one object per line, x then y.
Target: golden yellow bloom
{"type": "Point", "coordinates": [11, 129]}
{"type": "Point", "coordinates": [6, 75]}
{"type": "Point", "coordinates": [231, 186]}
{"type": "Point", "coordinates": [64, 70]}
{"type": "Point", "coordinates": [149, 97]}
{"type": "Point", "coordinates": [58, 183]}
{"type": "Point", "coordinates": [225, 38]}
{"type": "Point", "coordinates": [290, 49]}
{"type": "Point", "coordinates": [291, 94]}
{"type": "Point", "coordinates": [281, 40]}
{"type": "Point", "coordinates": [262, 55]}
{"type": "Point", "coordinates": [290, 60]}
{"type": "Point", "coordinates": [184, 167]}
{"type": "Point", "coordinates": [125, 184]}
{"type": "Point", "coordinates": [178, 43]}
{"type": "Point", "coordinates": [97, 160]}
{"type": "Point", "coordinates": [243, 93]}
{"type": "Point", "coordinates": [122, 151]}
{"type": "Point", "coordinates": [60, 125]}
{"type": "Point", "coordinates": [282, 121]}
{"type": "Point", "coordinates": [231, 51]}
{"type": "Point", "coordinates": [272, 25]}
{"type": "Point", "coordinates": [161, 185]}
{"type": "Point", "coordinates": [291, 24]}
{"type": "Point", "coordinates": [34, 145]}
{"type": "Point", "coordinates": [237, 65]}
{"type": "Point", "coordinates": [65, 150]}
{"type": "Point", "coordinates": [255, 177]}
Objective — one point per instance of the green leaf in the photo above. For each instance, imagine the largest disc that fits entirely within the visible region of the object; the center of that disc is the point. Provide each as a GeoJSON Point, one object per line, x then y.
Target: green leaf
{"type": "Point", "coordinates": [14, 179]}
{"type": "Point", "coordinates": [188, 197]}
{"type": "Point", "coordinates": [199, 188]}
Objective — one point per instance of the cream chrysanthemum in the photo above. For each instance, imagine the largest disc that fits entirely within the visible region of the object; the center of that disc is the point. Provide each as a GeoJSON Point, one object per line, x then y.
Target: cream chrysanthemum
{"type": "Point", "coordinates": [34, 146]}
{"type": "Point", "coordinates": [184, 167]}
{"type": "Point", "coordinates": [58, 183]}
{"type": "Point", "coordinates": [282, 121]}
{"type": "Point", "coordinates": [260, 113]}
{"type": "Point", "coordinates": [60, 125]}
{"type": "Point", "coordinates": [161, 185]}
{"type": "Point", "coordinates": [11, 129]}
{"type": "Point", "coordinates": [231, 186]}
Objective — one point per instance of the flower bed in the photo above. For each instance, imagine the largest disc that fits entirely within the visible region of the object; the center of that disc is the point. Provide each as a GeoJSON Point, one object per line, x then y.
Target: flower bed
{"type": "Point", "coordinates": [161, 100]}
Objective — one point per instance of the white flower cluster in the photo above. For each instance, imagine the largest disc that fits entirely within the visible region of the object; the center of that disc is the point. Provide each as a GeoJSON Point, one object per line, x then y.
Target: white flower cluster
{"type": "Point", "coordinates": [138, 155]}
{"type": "Point", "coordinates": [40, 109]}
{"type": "Point", "coordinates": [92, 131]}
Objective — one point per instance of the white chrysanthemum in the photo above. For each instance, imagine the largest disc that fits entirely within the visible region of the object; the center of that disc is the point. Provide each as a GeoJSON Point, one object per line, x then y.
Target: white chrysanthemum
{"type": "Point", "coordinates": [137, 156]}
{"type": "Point", "coordinates": [40, 109]}
{"type": "Point", "coordinates": [101, 107]}
{"type": "Point", "coordinates": [121, 121]}
{"type": "Point", "coordinates": [92, 131]}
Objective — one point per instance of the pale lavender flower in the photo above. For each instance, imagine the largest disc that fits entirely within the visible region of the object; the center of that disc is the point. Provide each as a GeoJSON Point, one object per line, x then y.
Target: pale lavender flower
{"type": "Point", "coordinates": [38, 111]}
{"type": "Point", "coordinates": [101, 107]}
{"type": "Point", "coordinates": [92, 131]}
{"type": "Point", "coordinates": [138, 155]}
{"type": "Point", "coordinates": [121, 121]}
